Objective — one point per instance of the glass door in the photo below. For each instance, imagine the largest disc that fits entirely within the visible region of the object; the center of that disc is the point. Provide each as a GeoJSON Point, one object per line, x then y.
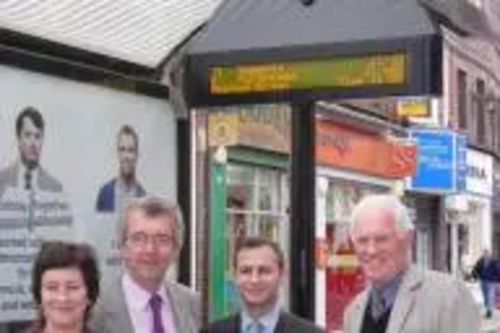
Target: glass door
{"type": "Point", "coordinates": [257, 201]}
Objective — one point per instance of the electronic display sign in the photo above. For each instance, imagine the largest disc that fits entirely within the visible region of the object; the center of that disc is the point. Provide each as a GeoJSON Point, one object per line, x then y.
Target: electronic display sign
{"type": "Point", "coordinates": [330, 73]}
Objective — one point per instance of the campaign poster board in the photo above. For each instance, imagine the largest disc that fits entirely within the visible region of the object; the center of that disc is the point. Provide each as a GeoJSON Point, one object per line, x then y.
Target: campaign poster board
{"type": "Point", "coordinates": [78, 159]}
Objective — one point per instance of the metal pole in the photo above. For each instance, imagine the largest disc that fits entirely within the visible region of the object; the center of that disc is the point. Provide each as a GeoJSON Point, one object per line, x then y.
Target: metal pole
{"type": "Point", "coordinates": [303, 219]}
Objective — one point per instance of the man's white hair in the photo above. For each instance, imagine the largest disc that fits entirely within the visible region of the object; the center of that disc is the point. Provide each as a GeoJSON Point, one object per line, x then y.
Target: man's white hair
{"type": "Point", "coordinates": [383, 202]}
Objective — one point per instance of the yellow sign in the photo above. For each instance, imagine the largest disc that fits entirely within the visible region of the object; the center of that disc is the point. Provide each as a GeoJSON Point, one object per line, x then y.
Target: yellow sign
{"type": "Point", "coordinates": [413, 107]}
{"type": "Point", "coordinates": [223, 129]}
{"type": "Point", "coordinates": [338, 72]}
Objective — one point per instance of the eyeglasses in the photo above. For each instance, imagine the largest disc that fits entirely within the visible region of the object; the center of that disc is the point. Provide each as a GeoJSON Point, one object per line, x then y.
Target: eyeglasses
{"type": "Point", "coordinates": [141, 239]}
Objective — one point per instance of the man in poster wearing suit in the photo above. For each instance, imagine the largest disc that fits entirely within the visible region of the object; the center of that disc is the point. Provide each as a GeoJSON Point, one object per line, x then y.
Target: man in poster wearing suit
{"type": "Point", "coordinates": [259, 266]}
{"type": "Point", "coordinates": [27, 173]}
{"type": "Point", "coordinates": [141, 301]}
{"type": "Point", "coordinates": [114, 194]}
{"type": "Point", "coordinates": [401, 298]}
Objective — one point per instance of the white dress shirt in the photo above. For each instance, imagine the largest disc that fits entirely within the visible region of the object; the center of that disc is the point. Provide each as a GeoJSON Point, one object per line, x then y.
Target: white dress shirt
{"type": "Point", "coordinates": [137, 300]}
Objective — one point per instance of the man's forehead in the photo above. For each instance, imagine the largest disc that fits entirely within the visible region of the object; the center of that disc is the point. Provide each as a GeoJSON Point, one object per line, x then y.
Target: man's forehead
{"type": "Point", "coordinates": [139, 219]}
{"type": "Point", "coordinates": [256, 256]}
{"type": "Point", "coordinates": [375, 219]}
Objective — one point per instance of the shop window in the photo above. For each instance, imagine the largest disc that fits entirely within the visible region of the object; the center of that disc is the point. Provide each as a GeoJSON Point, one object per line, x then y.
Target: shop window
{"type": "Point", "coordinates": [344, 278]}
{"type": "Point", "coordinates": [480, 111]}
{"type": "Point", "coordinates": [490, 122]}
{"type": "Point", "coordinates": [462, 99]}
{"type": "Point", "coordinates": [257, 199]}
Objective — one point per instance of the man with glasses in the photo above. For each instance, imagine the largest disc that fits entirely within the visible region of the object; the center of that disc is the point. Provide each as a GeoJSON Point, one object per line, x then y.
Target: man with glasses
{"type": "Point", "coordinates": [142, 301]}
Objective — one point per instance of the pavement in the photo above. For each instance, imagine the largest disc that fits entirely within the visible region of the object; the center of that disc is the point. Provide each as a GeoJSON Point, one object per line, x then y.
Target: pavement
{"type": "Point", "coordinates": [491, 325]}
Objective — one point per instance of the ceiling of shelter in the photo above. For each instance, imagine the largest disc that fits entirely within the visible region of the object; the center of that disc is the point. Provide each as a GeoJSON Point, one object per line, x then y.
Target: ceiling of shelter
{"type": "Point", "coordinates": [139, 31]}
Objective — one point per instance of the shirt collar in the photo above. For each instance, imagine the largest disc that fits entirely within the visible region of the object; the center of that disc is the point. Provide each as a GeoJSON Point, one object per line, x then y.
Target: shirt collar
{"type": "Point", "coordinates": [390, 289]}
{"type": "Point", "coordinates": [137, 297]}
{"type": "Point", "coordinates": [269, 320]}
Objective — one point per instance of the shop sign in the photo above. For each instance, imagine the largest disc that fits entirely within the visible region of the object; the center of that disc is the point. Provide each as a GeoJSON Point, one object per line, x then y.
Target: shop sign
{"type": "Point", "coordinates": [222, 129]}
{"type": "Point", "coordinates": [441, 165]}
{"type": "Point", "coordinates": [413, 107]}
{"type": "Point", "coordinates": [261, 126]}
{"type": "Point", "coordinates": [345, 147]}
{"type": "Point", "coordinates": [479, 173]}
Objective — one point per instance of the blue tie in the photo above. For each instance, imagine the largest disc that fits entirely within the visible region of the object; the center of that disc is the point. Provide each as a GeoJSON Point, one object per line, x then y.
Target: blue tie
{"type": "Point", "coordinates": [155, 304]}
{"type": "Point", "coordinates": [255, 327]}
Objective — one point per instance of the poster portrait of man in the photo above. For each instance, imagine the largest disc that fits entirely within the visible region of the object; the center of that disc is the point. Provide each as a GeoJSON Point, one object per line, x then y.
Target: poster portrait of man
{"type": "Point", "coordinates": [114, 194]}
{"type": "Point", "coordinates": [27, 172]}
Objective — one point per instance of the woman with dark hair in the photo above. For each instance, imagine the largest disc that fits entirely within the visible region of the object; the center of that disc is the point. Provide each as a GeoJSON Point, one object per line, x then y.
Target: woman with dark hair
{"type": "Point", "coordinates": [65, 286]}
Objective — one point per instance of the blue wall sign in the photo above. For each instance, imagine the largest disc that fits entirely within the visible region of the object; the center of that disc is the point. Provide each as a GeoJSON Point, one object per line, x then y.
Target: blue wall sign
{"type": "Point", "coordinates": [441, 163]}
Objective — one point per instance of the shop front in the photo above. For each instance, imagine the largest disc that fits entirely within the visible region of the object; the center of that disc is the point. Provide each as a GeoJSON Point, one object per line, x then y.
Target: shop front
{"type": "Point", "coordinates": [351, 164]}
{"type": "Point", "coordinates": [469, 214]}
{"type": "Point", "coordinates": [440, 171]}
{"type": "Point", "coordinates": [249, 192]}
{"type": "Point", "coordinates": [425, 212]}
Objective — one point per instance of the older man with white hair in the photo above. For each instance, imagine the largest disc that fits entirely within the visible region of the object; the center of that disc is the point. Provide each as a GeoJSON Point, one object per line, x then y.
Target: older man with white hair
{"type": "Point", "coordinates": [401, 297]}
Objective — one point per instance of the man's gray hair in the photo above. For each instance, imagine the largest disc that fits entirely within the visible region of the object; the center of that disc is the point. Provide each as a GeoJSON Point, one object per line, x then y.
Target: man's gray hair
{"type": "Point", "coordinates": [155, 206]}
{"type": "Point", "coordinates": [383, 202]}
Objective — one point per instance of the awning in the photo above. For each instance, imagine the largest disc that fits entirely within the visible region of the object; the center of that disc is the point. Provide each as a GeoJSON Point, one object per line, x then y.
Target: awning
{"type": "Point", "coordinates": [277, 34]}
{"type": "Point", "coordinates": [142, 32]}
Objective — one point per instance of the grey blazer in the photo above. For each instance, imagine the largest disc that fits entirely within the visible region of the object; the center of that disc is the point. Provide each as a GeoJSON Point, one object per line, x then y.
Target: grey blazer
{"type": "Point", "coordinates": [288, 323]}
{"type": "Point", "coordinates": [9, 178]}
{"type": "Point", "coordinates": [426, 302]}
{"type": "Point", "coordinates": [110, 314]}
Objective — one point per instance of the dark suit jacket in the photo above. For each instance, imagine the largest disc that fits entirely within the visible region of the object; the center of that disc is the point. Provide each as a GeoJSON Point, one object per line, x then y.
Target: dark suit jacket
{"type": "Point", "coordinates": [106, 197]}
{"type": "Point", "coordinates": [8, 178]}
{"type": "Point", "coordinates": [288, 323]}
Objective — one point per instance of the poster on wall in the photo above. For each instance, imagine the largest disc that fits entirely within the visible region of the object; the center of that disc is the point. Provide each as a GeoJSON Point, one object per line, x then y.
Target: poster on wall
{"type": "Point", "coordinates": [71, 155]}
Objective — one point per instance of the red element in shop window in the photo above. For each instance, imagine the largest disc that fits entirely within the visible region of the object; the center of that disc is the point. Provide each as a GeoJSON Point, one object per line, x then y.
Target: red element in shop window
{"type": "Point", "coordinates": [344, 280]}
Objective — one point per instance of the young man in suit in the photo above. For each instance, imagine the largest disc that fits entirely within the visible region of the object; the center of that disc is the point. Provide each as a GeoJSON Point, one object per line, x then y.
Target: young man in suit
{"type": "Point", "coordinates": [400, 297]}
{"type": "Point", "coordinates": [259, 267]}
{"type": "Point", "coordinates": [141, 301]}
{"type": "Point", "coordinates": [27, 173]}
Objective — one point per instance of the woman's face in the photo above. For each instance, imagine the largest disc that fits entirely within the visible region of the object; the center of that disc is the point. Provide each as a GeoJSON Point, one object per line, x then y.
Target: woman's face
{"type": "Point", "coordinates": [64, 297]}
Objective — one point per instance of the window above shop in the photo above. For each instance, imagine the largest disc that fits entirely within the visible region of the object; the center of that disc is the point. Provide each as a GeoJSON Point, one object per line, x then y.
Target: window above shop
{"type": "Point", "coordinates": [139, 31]}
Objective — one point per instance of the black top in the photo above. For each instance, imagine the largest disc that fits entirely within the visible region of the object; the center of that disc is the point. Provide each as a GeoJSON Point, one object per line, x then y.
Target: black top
{"type": "Point", "coordinates": [371, 325]}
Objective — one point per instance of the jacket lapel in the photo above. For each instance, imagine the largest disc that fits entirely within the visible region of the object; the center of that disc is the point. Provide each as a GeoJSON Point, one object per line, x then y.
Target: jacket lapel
{"type": "Point", "coordinates": [176, 303]}
{"type": "Point", "coordinates": [281, 326]}
{"type": "Point", "coordinates": [119, 311]}
{"type": "Point", "coordinates": [405, 300]}
{"type": "Point", "coordinates": [359, 311]}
